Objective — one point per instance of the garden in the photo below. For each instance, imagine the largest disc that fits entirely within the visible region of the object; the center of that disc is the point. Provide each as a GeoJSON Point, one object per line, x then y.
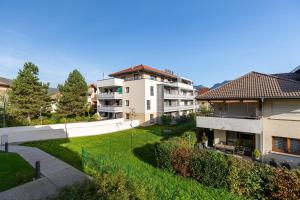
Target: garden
{"type": "Point", "coordinates": [124, 166]}
{"type": "Point", "coordinates": [14, 171]}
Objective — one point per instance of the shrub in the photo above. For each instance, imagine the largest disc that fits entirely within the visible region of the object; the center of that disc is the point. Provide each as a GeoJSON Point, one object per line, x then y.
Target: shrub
{"type": "Point", "coordinates": [163, 151]}
{"type": "Point", "coordinates": [191, 137]}
{"type": "Point", "coordinates": [247, 179]}
{"type": "Point", "coordinates": [180, 129]}
{"type": "Point", "coordinates": [210, 168]}
{"type": "Point", "coordinates": [166, 119]}
{"type": "Point", "coordinates": [286, 184]}
{"type": "Point", "coordinates": [104, 186]}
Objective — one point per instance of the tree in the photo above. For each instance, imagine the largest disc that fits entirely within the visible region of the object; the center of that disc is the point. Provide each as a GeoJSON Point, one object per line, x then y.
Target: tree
{"type": "Point", "coordinates": [28, 96]}
{"type": "Point", "coordinates": [73, 99]}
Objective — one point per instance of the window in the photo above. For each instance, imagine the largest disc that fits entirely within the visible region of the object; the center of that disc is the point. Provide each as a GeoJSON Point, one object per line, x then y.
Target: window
{"type": "Point", "coordinates": [127, 116]}
{"type": "Point", "coordinates": [127, 89]}
{"type": "Point", "coordinates": [152, 77]}
{"type": "Point", "coordinates": [135, 76]}
{"type": "Point", "coordinates": [286, 145]}
{"type": "Point", "coordinates": [126, 102]}
{"type": "Point", "coordinates": [148, 104]}
{"type": "Point", "coordinates": [151, 90]}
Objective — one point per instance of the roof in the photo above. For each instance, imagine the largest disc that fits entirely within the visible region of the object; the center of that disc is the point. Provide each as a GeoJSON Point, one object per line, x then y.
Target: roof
{"type": "Point", "coordinates": [142, 67]}
{"type": "Point", "coordinates": [203, 90]}
{"type": "Point", "coordinates": [292, 76]}
{"type": "Point", "coordinates": [255, 85]}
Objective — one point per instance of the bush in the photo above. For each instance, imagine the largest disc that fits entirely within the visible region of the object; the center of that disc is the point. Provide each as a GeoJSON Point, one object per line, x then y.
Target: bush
{"type": "Point", "coordinates": [166, 119]}
{"type": "Point", "coordinates": [210, 168]}
{"type": "Point", "coordinates": [104, 186]}
{"type": "Point", "coordinates": [163, 151]}
{"type": "Point", "coordinates": [180, 129]}
{"type": "Point", "coordinates": [191, 137]}
{"type": "Point", "coordinates": [248, 179]}
{"type": "Point", "coordinates": [286, 184]}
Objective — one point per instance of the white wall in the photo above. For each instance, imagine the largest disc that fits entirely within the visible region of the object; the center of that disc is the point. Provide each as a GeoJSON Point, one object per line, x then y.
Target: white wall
{"type": "Point", "coordinates": [230, 124]}
{"type": "Point", "coordinates": [46, 132]}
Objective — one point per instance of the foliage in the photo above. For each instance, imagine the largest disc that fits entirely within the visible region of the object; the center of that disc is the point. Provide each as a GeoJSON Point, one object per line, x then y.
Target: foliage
{"type": "Point", "coordinates": [28, 96]}
{"type": "Point", "coordinates": [73, 99]}
{"type": "Point", "coordinates": [179, 129]}
{"type": "Point", "coordinates": [204, 138]}
{"type": "Point", "coordinates": [256, 153]}
{"type": "Point", "coordinates": [163, 151]}
{"type": "Point", "coordinates": [210, 168]}
{"type": "Point", "coordinates": [166, 119]}
{"type": "Point", "coordinates": [191, 137]}
{"type": "Point", "coordinates": [14, 171]}
{"type": "Point", "coordinates": [104, 186]}
{"type": "Point", "coordinates": [136, 160]}
{"type": "Point", "coordinates": [286, 184]}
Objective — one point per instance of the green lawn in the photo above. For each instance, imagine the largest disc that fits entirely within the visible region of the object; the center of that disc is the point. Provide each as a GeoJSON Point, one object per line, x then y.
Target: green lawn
{"type": "Point", "coordinates": [133, 152]}
{"type": "Point", "coordinates": [14, 171]}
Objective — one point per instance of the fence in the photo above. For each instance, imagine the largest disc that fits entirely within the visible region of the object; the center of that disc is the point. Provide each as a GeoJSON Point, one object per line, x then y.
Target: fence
{"type": "Point", "coordinates": [55, 131]}
{"type": "Point", "coordinates": [109, 160]}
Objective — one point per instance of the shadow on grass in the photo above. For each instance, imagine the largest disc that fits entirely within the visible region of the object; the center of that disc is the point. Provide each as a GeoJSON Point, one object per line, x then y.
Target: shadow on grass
{"type": "Point", "coordinates": [146, 153]}
{"type": "Point", "coordinates": [56, 148]}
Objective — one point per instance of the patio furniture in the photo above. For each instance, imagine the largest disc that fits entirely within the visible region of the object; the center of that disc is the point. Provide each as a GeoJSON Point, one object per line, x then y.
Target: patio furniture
{"type": "Point", "coordinates": [285, 164]}
{"type": "Point", "coordinates": [224, 147]}
{"type": "Point", "coordinates": [240, 150]}
{"type": "Point", "coordinates": [273, 163]}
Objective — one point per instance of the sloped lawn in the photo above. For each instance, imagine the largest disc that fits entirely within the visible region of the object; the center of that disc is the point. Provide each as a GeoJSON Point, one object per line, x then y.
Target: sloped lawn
{"type": "Point", "coordinates": [14, 171]}
{"type": "Point", "coordinates": [132, 151]}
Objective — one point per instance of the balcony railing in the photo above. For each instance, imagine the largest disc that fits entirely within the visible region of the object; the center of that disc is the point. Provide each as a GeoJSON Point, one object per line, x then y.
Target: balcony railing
{"type": "Point", "coordinates": [110, 108]}
{"type": "Point", "coordinates": [178, 96]}
{"type": "Point", "coordinates": [247, 124]}
{"type": "Point", "coordinates": [173, 108]}
{"type": "Point", "coordinates": [110, 95]}
{"type": "Point", "coordinates": [229, 116]}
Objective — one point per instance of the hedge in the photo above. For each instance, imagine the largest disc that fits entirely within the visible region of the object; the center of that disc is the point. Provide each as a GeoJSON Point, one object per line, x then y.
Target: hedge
{"type": "Point", "coordinates": [218, 170]}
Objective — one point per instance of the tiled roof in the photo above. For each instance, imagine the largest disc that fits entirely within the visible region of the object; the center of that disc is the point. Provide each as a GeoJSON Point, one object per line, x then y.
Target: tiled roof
{"type": "Point", "coordinates": [292, 76]}
{"type": "Point", "coordinates": [143, 68]}
{"type": "Point", "coordinates": [203, 90]}
{"type": "Point", "coordinates": [255, 85]}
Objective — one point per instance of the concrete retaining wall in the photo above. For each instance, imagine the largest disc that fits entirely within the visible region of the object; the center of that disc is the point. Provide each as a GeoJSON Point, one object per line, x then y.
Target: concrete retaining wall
{"type": "Point", "coordinates": [46, 132]}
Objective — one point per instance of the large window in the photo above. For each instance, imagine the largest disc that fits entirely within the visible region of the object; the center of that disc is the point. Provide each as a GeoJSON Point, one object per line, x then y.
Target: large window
{"type": "Point", "coordinates": [286, 145]}
{"type": "Point", "coordinates": [151, 90]}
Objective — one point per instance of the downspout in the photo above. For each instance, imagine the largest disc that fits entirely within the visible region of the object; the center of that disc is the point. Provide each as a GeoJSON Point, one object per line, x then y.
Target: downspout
{"type": "Point", "coordinates": [262, 127]}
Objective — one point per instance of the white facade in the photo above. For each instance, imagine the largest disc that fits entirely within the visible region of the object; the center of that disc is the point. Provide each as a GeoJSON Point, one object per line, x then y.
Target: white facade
{"type": "Point", "coordinates": [144, 99]}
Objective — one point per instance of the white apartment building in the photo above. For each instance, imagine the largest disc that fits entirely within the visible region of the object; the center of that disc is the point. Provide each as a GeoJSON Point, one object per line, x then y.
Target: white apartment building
{"type": "Point", "coordinates": [145, 93]}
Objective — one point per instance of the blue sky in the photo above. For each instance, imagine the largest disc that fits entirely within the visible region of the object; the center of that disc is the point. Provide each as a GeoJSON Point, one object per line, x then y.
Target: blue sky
{"type": "Point", "coordinates": [207, 41]}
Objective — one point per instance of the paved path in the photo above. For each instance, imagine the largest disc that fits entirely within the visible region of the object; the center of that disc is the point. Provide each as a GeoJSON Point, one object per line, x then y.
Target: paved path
{"type": "Point", "coordinates": [55, 174]}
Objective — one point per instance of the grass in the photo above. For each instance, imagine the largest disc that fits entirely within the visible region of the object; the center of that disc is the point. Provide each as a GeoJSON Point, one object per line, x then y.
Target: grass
{"type": "Point", "coordinates": [132, 150]}
{"type": "Point", "coordinates": [14, 171]}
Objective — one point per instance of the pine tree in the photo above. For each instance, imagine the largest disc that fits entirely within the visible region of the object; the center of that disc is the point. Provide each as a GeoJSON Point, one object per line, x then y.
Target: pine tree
{"type": "Point", "coordinates": [73, 100]}
{"type": "Point", "coordinates": [28, 96]}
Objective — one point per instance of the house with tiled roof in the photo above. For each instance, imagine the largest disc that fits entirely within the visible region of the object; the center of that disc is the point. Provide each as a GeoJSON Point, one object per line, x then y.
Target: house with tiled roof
{"type": "Point", "coordinates": [145, 93]}
{"type": "Point", "coordinates": [255, 111]}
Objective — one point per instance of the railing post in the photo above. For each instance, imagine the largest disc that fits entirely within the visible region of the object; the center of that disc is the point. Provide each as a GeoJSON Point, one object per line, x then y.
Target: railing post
{"type": "Point", "coordinates": [37, 169]}
{"type": "Point", "coordinates": [6, 147]}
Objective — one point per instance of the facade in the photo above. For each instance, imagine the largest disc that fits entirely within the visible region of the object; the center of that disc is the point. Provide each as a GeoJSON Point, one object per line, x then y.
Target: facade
{"type": "Point", "coordinates": [145, 93]}
{"type": "Point", "coordinates": [92, 97]}
{"type": "Point", "coordinates": [5, 84]}
{"type": "Point", "coordinates": [256, 111]}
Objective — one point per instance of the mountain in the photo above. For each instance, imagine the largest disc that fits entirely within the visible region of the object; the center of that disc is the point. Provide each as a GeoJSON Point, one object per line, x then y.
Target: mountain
{"type": "Point", "coordinates": [219, 84]}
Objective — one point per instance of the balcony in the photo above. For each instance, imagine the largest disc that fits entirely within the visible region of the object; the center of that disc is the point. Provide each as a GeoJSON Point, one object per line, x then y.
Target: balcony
{"type": "Point", "coordinates": [187, 107]}
{"type": "Point", "coordinates": [110, 82]}
{"type": "Point", "coordinates": [171, 108]}
{"type": "Point", "coordinates": [111, 108]}
{"type": "Point", "coordinates": [110, 95]}
{"type": "Point", "coordinates": [171, 96]}
{"type": "Point", "coordinates": [178, 96]}
{"type": "Point", "coordinates": [246, 124]}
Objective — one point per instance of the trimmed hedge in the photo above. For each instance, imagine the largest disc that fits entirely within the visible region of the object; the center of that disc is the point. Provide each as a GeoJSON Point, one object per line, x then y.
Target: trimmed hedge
{"type": "Point", "coordinates": [218, 170]}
